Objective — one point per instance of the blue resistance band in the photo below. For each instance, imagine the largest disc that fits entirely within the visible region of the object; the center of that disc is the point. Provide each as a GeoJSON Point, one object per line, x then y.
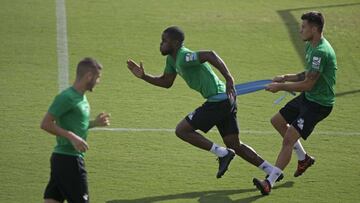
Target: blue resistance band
{"type": "Point", "coordinates": [244, 88]}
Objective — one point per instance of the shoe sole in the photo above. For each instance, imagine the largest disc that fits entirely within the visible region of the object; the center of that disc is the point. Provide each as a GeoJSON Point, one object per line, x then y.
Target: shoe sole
{"type": "Point", "coordinates": [220, 174]}
{"type": "Point", "coordinates": [258, 185]}
{"type": "Point", "coordinates": [299, 174]}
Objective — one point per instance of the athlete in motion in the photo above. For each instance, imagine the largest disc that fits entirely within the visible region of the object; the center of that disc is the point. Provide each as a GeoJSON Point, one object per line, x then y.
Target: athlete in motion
{"type": "Point", "coordinates": [298, 118]}
{"type": "Point", "coordinates": [195, 69]}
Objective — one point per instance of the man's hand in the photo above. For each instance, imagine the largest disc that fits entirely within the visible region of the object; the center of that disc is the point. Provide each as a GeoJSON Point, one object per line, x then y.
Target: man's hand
{"type": "Point", "coordinates": [78, 143]}
{"type": "Point", "coordinates": [273, 87]}
{"type": "Point", "coordinates": [137, 70]}
{"type": "Point", "coordinates": [103, 119]}
{"type": "Point", "coordinates": [279, 78]}
{"type": "Point", "coordinates": [230, 89]}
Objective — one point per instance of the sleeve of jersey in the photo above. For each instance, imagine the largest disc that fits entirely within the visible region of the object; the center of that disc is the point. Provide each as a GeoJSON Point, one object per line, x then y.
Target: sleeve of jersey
{"type": "Point", "coordinates": [168, 67]}
{"type": "Point", "coordinates": [60, 106]}
{"type": "Point", "coordinates": [190, 59]}
{"type": "Point", "coordinates": [318, 62]}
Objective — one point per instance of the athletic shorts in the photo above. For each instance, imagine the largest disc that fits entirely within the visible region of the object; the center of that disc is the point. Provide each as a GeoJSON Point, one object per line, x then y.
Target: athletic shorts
{"type": "Point", "coordinates": [220, 114]}
{"type": "Point", "coordinates": [68, 179]}
{"type": "Point", "coordinates": [303, 114]}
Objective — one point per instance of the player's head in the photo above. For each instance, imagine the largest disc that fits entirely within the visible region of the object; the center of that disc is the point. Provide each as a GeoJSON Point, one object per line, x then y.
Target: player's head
{"type": "Point", "coordinates": [171, 39]}
{"type": "Point", "coordinates": [312, 24]}
{"type": "Point", "coordinates": [88, 71]}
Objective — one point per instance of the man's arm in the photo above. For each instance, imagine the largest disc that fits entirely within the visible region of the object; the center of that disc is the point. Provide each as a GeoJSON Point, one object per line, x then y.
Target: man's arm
{"type": "Point", "coordinates": [300, 86]}
{"type": "Point", "coordinates": [166, 80]}
{"type": "Point", "coordinates": [290, 77]}
{"type": "Point", "coordinates": [48, 124]}
{"type": "Point", "coordinates": [218, 63]}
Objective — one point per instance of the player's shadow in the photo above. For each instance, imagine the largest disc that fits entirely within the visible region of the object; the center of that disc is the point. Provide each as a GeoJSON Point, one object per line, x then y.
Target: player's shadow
{"type": "Point", "coordinates": [212, 196]}
{"type": "Point", "coordinates": [340, 94]}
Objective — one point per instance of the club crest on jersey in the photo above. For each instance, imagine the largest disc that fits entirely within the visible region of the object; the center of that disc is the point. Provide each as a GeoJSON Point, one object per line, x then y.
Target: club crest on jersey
{"type": "Point", "coordinates": [190, 116]}
{"type": "Point", "coordinates": [86, 197]}
{"type": "Point", "coordinates": [300, 123]}
{"type": "Point", "coordinates": [190, 57]}
{"type": "Point", "coordinates": [316, 62]}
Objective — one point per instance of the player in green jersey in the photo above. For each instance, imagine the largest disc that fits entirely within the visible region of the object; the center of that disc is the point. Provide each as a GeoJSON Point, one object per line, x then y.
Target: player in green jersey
{"type": "Point", "coordinates": [68, 119]}
{"type": "Point", "coordinates": [299, 117]}
{"type": "Point", "coordinates": [195, 69]}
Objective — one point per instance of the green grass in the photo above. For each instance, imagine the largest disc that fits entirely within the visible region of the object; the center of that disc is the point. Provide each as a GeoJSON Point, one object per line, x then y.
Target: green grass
{"type": "Point", "coordinates": [251, 37]}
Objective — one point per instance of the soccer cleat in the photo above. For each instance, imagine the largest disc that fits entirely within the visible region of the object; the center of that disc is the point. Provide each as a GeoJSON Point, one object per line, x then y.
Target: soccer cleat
{"type": "Point", "coordinates": [278, 179]}
{"type": "Point", "coordinates": [224, 162]}
{"type": "Point", "coordinates": [263, 185]}
{"type": "Point", "coordinates": [303, 165]}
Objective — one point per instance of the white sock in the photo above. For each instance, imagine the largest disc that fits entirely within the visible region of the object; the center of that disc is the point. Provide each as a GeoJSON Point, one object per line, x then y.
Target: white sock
{"type": "Point", "coordinates": [218, 150]}
{"type": "Point", "coordinates": [299, 149]}
{"type": "Point", "coordinates": [275, 173]}
{"type": "Point", "coordinates": [266, 167]}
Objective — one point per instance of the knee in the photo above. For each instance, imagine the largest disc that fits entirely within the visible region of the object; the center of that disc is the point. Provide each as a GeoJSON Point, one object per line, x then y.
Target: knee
{"type": "Point", "coordinates": [232, 141]}
{"type": "Point", "coordinates": [273, 121]}
{"type": "Point", "coordinates": [180, 131]}
{"type": "Point", "coordinates": [241, 145]}
{"type": "Point", "coordinates": [240, 148]}
{"type": "Point", "coordinates": [232, 146]}
{"type": "Point", "coordinates": [289, 140]}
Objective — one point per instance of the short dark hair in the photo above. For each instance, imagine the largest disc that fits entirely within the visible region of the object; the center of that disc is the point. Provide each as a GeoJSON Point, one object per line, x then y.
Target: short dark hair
{"type": "Point", "coordinates": [314, 18]}
{"type": "Point", "coordinates": [87, 64]}
{"type": "Point", "coordinates": [175, 33]}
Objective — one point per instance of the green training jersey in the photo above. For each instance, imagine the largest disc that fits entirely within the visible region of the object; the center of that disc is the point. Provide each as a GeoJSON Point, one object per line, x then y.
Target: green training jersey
{"type": "Point", "coordinates": [71, 111]}
{"type": "Point", "coordinates": [322, 59]}
{"type": "Point", "coordinates": [198, 76]}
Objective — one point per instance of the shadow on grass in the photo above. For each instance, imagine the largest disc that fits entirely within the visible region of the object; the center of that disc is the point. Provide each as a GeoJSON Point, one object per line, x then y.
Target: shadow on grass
{"type": "Point", "coordinates": [340, 94]}
{"type": "Point", "coordinates": [212, 196]}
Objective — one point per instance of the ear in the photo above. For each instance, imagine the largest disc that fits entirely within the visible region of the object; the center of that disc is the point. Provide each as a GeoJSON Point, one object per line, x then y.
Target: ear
{"type": "Point", "coordinates": [177, 43]}
{"type": "Point", "coordinates": [88, 76]}
{"type": "Point", "coordinates": [314, 29]}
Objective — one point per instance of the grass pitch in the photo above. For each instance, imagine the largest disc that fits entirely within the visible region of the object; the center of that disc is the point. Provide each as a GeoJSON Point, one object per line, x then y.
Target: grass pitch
{"type": "Point", "coordinates": [257, 40]}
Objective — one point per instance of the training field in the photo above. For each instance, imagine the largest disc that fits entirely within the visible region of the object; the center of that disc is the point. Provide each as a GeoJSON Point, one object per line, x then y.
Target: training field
{"type": "Point", "coordinates": [139, 158]}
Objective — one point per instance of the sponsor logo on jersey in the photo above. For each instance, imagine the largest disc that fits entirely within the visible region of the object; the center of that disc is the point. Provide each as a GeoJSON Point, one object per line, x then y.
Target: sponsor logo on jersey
{"type": "Point", "coordinates": [86, 109]}
{"type": "Point", "coordinates": [316, 62]}
{"type": "Point", "coordinates": [190, 57]}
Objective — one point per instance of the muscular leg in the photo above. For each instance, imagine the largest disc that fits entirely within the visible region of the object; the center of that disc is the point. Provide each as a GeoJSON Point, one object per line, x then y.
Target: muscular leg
{"type": "Point", "coordinates": [244, 151]}
{"type": "Point", "coordinates": [282, 126]}
{"type": "Point", "coordinates": [186, 132]}
{"type": "Point", "coordinates": [284, 157]}
{"type": "Point", "coordinates": [279, 124]}
{"type": "Point", "coordinates": [290, 138]}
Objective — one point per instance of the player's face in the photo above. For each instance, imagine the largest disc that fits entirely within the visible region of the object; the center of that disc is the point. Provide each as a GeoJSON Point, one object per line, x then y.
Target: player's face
{"type": "Point", "coordinates": [94, 78]}
{"type": "Point", "coordinates": [307, 31]}
{"type": "Point", "coordinates": [166, 45]}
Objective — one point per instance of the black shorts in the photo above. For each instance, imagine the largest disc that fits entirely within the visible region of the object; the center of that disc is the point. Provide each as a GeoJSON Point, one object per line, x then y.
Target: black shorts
{"type": "Point", "coordinates": [220, 114]}
{"type": "Point", "coordinates": [303, 114]}
{"type": "Point", "coordinates": [68, 179]}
